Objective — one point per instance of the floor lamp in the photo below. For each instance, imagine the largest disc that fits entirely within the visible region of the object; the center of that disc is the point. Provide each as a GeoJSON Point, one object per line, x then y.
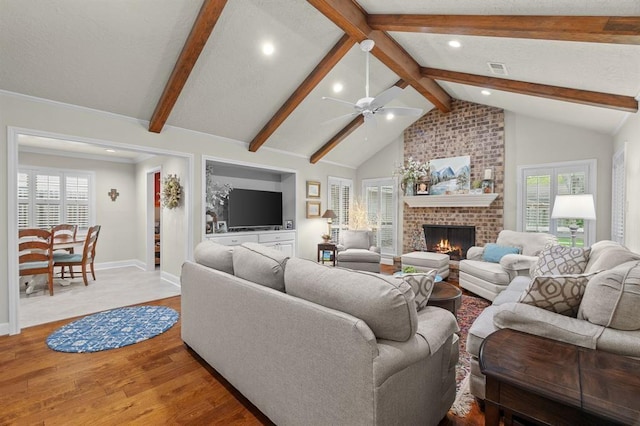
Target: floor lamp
{"type": "Point", "coordinates": [574, 207]}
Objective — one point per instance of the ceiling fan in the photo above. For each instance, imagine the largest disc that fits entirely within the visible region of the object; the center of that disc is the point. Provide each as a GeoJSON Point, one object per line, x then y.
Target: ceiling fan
{"type": "Point", "coordinates": [369, 106]}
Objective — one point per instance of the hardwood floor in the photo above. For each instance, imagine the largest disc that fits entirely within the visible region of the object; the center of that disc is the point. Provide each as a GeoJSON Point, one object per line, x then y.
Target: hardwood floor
{"type": "Point", "coordinates": [158, 381]}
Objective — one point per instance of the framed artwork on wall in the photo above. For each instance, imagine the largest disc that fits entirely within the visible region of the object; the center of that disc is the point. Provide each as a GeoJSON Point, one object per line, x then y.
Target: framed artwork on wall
{"type": "Point", "coordinates": [313, 209]}
{"type": "Point", "coordinates": [313, 189]}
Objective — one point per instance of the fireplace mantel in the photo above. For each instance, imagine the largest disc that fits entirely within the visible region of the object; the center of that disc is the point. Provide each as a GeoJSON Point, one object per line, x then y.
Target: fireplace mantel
{"type": "Point", "coordinates": [453, 200]}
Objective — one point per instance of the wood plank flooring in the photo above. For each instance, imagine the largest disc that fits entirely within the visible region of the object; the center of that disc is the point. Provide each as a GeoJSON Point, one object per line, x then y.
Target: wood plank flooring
{"type": "Point", "coordinates": [156, 382]}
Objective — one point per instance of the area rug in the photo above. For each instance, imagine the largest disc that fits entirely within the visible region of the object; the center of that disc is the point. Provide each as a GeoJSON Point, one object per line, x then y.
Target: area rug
{"type": "Point", "coordinates": [469, 310]}
{"type": "Point", "coordinates": [112, 329]}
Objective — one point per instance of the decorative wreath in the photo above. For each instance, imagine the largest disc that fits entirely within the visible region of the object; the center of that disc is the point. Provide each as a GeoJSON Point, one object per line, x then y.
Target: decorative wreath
{"type": "Point", "coordinates": [171, 192]}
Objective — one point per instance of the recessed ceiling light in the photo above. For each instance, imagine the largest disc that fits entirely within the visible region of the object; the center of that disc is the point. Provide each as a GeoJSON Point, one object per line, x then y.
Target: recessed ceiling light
{"type": "Point", "coordinates": [337, 87]}
{"type": "Point", "coordinates": [454, 44]}
{"type": "Point", "coordinates": [485, 92]}
{"type": "Point", "coordinates": [268, 49]}
{"type": "Point", "coordinates": [390, 116]}
{"type": "Point", "coordinates": [110, 150]}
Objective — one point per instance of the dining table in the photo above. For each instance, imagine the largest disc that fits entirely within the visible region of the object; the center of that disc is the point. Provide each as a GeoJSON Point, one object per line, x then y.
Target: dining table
{"type": "Point", "coordinates": [63, 242]}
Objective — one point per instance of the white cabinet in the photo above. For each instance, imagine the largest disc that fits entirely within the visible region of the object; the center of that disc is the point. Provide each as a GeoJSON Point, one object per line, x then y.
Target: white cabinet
{"type": "Point", "coordinates": [284, 241]}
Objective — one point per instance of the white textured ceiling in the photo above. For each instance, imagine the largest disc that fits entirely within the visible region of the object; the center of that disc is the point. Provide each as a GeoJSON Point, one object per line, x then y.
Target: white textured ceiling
{"type": "Point", "coordinates": [117, 57]}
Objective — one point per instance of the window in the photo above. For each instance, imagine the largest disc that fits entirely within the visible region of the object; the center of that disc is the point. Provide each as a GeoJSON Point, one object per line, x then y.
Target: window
{"type": "Point", "coordinates": [618, 197]}
{"type": "Point", "coordinates": [340, 199]}
{"type": "Point", "coordinates": [48, 197]}
{"type": "Point", "coordinates": [537, 189]}
{"type": "Point", "coordinates": [381, 202]}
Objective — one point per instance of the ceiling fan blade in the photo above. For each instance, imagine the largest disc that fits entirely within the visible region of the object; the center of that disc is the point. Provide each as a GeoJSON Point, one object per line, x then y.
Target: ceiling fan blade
{"type": "Point", "coordinates": [351, 104]}
{"type": "Point", "coordinates": [331, 120]}
{"type": "Point", "coordinates": [413, 112]}
{"type": "Point", "coordinates": [385, 97]}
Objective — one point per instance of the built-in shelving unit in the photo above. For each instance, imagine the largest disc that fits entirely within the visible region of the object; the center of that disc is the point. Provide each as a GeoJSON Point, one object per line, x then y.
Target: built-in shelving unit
{"type": "Point", "coordinates": [453, 200]}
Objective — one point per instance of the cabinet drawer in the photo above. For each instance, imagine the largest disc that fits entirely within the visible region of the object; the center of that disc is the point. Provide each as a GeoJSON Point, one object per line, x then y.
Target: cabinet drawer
{"type": "Point", "coordinates": [274, 238]}
{"type": "Point", "coordinates": [234, 240]}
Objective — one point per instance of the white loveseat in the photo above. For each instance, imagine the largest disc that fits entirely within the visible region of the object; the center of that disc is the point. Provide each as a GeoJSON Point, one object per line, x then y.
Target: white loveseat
{"type": "Point", "coordinates": [488, 279]}
{"type": "Point", "coordinates": [310, 344]}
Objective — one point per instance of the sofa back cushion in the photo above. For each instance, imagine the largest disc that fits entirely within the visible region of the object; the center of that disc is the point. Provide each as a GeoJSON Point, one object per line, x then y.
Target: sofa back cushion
{"type": "Point", "coordinates": [607, 254]}
{"type": "Point", "coordinates": [260, 264]}
{"type": "Point", "coordinates": [561, 260]}
{"type": "Point", "coordinates": [355, 239]}
{"type": "Point", "coordinates": [386, 304]}
{"type": "Point", "coordinates": [612, 298]}
{"type": "Point", "coordinates": [532, 243]}
{"type": "Point", "coordinates": [214, 255]}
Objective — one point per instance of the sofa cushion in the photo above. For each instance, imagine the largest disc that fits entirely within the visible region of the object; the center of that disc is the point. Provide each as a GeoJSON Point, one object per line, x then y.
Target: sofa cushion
{"type": "Point", "coordinates": [214, 255]}
{"type": "Point", "coordinates": [422, 286]}
{"type": "Point", "coordinates": [358, 255]}
{"type": "Point", "coordinates": [607, 255]}
{"type": "Point", "coordinates": [612, 298]}
{"type": "Point", "coordinates": [386, 304]}
{"type": "Point", "coordinates": [561, 294]}
{"type": "Point", "coordinates": [494, 252]}
{"type": "Point", "coordinates": [532, 243]}
{"type": "Point", "coordinates": [260, 264]}
{"type": "Point", "coordinates": [356, 239]}
{"type": "Point", "coordinates": [491, 272]}
{"type": "Point", "coordinates": [561, 260]}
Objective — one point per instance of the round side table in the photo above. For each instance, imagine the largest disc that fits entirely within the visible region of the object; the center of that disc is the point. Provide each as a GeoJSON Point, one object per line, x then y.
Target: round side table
{"type": "Point", "coordinates": [446, 296]}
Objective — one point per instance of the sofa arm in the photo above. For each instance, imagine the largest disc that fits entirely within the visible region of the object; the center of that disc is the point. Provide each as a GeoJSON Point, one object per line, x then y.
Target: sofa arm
{"type": "Point", "coordinates": [374, 249]}
{"type": "Point", "coordinates": [517, 264]}
{"type": "Point", "coordinates": [532, 320]}
{"type": "Point", "coordinates": [340, 247]}
{"type": "Point", "coordinates": [475, 253]}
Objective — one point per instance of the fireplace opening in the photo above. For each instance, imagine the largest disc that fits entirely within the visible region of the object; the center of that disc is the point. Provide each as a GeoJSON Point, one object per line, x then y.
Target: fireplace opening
{"type": "Point", "coordinates": [453, 240]}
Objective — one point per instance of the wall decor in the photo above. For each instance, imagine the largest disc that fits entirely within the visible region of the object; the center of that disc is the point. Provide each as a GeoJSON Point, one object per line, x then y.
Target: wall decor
{"type": "Point", "coordinates": [113, 194]}
{"type": "Point", "coordinates": [221, 226]}
{"type": "Point", "coordinates": [313, 209]}
{"type": "Point", "coordinates": [171, 192]}
{"type": "Point", "coordinates": [450, 175]}
{"type": "Point", "coordinates": [288, 224]}
{"type": "Point", "coordinates": [313, 189]}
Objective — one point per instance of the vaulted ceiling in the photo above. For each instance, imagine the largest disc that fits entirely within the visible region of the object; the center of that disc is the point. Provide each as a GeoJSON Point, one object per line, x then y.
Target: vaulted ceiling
{"type": "Point", "coordinates": [198, 65]}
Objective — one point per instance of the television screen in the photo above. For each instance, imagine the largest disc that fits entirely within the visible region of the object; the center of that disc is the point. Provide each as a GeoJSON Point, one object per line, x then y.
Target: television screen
{"type": "Point", "coordinates": [249, 208]}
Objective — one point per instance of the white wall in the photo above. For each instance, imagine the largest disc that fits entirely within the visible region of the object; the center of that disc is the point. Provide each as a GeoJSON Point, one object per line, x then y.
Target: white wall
{"type": "Point", "coordinates": [29, 113]}
{"type": "Point", "coordinates": [530, 141]}
{"type": "Point", "coordinates": [629, 137]}
{"type": "Point", "coordinates": [117, 218]}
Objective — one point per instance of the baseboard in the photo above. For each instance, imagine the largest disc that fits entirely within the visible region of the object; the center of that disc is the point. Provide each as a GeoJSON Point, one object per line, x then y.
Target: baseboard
{"type": "Point", "coordinates": [170, 278]}
{"type": "Point", "coordinates": [120, 264]}
{"type": "Point", "coordinates": [4, 329]}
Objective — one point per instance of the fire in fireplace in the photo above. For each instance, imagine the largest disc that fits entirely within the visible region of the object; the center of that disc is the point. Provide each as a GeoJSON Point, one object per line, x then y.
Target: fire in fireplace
{"type": "Point", "coordinates": [453, 240]}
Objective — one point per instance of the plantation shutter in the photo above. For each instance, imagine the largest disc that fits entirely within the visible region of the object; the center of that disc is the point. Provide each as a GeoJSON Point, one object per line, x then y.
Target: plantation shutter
{"type": "Point", "coordinates": [538, 201]}
{"type": "Point", "coordinates": [23, 200]}
{"type": "Point", "coordinates": [47, 200]}
{"type": "Point", "coordinates": [77, 201]}
{"type": "Point", "coordinates": [618, 197]}
{"type": "Point", "coordinates": [339, 200]}
{"type": "Point", "coordinates": [379, 198]}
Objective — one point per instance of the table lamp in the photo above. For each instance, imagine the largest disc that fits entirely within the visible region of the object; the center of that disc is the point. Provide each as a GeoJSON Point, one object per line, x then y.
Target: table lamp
{"type": "Point", "coordinates": [574, 207]}
{"type": "Point", "coordinates": [329, 215]}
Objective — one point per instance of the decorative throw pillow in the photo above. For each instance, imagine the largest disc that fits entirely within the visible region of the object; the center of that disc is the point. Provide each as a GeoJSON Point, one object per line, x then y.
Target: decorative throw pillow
{"type": "Point", "coordinates": [422, 286]}
{"type": "Point", "coordinates": [612, 298]}
{"type": "Point", "coordinates": [494, 252]}
{"type": "Point", "coordinates": [561, 294]}
{"type": "Point", "coordinates": [561, 260]}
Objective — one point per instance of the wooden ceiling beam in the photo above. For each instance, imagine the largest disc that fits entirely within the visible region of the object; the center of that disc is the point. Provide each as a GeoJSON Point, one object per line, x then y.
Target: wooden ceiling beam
{"type": "Point", "coordinates": [200, 32]}
{"type": "Point", "coordinates": [319, 72]}
{"type": "Point", "coordinates": [585, 97]}
{"type": "Point", "coordinates": [592, 29]}
{"type": "Point", "coordinates": [353, 20]}
{"type": "Point", "coordinates": [346, 131]}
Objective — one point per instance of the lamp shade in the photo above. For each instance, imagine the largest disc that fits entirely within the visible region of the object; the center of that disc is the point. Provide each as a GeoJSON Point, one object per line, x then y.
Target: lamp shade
{"type": "Point", "coordinates": [329, 214]}
{"type": "Point", "coordinates": [574, 207]}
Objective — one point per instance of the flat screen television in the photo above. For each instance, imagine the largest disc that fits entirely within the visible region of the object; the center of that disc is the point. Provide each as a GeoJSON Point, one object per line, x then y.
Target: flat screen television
{"type": "Point", "coordinates": [250, 208]}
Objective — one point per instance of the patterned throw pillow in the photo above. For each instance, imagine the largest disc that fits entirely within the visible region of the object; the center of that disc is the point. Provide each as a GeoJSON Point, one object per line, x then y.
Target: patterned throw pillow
{"type": "Point", "coordinates": [561, 294]}
{"type": "Point", "coordinates": [560, 260]}
{"type": "Point", "coordinates": [422, 286]}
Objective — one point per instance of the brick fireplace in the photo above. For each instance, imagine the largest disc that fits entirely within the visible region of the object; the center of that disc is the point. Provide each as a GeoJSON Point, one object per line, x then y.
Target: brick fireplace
{"type": "Point", "coordinates": [468, 129]}
{"type": "Point", "coordinates": [451, 240]}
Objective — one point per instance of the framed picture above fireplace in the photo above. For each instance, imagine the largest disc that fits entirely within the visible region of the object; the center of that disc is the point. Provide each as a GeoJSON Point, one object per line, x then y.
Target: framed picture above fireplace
{"type": "Point", "coordinates": [450, 175]}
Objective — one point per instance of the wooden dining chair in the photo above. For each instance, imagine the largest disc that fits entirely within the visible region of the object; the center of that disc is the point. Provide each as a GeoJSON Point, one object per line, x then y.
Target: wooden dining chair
{"type": "Point", "coordinates": [64, 230]}
{"type": "Point", "coordinates": [35, 253]}
{"type": "Point", "coordinates": [83, 260]}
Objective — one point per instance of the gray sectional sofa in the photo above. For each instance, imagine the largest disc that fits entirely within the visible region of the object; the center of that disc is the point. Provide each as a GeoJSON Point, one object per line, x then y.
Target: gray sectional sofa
{"type": "Point", "coordinates": [315, 345]}
{"type": "Point", "coordinates": [606, 318]}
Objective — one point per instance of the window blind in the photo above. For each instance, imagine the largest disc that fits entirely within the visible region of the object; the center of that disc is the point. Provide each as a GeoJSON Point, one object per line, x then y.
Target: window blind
{"type": "Point", "coordinates": [339, 196]}
{"type": "Point", "coordinates": [618, 197]}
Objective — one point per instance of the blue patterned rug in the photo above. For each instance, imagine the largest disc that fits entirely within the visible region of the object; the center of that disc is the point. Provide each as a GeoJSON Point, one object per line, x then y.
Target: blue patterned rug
{"type": "Point", "coordinates": [112, 329]}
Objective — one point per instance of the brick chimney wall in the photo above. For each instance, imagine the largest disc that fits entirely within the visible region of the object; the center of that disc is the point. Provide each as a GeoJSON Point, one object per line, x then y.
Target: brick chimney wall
{"type": "Point", "coordinates": [469, 129]}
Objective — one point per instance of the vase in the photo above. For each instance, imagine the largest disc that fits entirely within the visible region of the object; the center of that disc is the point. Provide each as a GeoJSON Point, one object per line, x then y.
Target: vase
{"type": "Point", "coordinates": [409, 188]}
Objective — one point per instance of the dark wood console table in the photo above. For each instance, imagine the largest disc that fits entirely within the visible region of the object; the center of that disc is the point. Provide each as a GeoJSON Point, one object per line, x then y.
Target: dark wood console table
{"type": "Point", "coordinates": [552, 382]}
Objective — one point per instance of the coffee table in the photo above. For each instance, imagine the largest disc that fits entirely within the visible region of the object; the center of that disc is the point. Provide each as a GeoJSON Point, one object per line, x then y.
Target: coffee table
{"type": "Point", "coordinates": [553, 382]}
